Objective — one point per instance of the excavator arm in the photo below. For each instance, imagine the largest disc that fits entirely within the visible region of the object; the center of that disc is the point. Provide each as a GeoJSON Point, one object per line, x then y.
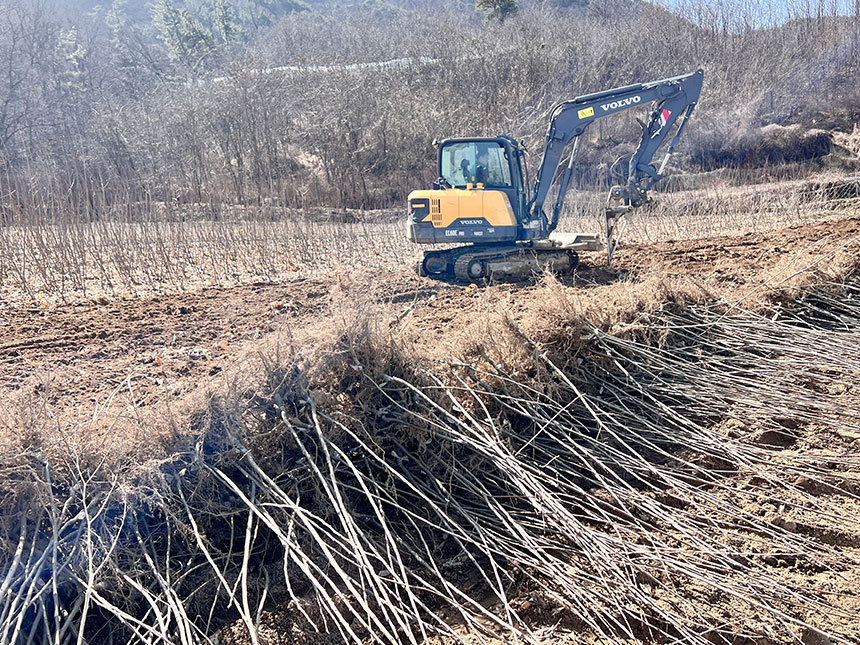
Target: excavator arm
{"type": "Point", "coordinates": [674, 99]}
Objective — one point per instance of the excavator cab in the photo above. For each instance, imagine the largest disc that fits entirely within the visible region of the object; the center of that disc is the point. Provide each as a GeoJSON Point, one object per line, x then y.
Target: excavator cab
{"type": "Point", "coordinates": [495, 163]}
{"type": "Point", "coordinates": [478, 161]}
{"type": "Point", "coordinates": [480, 195]}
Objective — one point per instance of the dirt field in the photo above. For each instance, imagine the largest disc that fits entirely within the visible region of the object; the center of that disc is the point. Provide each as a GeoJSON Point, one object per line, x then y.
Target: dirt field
{"type": "Point", "coordinates": [124, 378]}
{"type": "Point", "coordinates": [133, 354]}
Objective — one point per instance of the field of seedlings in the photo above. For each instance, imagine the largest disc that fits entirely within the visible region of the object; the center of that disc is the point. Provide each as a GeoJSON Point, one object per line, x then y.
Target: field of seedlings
{"type": "Point", "coordinates": [270, 430]}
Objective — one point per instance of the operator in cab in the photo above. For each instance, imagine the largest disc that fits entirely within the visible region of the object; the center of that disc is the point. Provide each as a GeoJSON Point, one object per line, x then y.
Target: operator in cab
{"type": "Point", "coordinates": [481, 174]}
{"type": "Point", "coordinates": [482, 169]}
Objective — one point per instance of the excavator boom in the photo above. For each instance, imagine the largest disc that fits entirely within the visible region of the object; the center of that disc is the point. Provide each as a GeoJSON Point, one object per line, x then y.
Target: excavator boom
{"type": "Point", "coordinates": [674, 99]}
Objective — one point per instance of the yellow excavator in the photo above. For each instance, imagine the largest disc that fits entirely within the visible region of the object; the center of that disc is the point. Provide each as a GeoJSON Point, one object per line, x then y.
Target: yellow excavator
{"type": "Point", "coordinates": [481, 196]}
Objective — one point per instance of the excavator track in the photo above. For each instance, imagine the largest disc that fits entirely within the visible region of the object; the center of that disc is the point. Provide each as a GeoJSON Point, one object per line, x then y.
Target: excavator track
{"type": "Point", "coordinates": [475, 263]}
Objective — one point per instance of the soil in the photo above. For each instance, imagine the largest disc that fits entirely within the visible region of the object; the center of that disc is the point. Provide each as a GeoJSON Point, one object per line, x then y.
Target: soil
{"type": "Point", "coordinates": [132, 354]}
{"type": "Point", "coordinates": [123, 357]}
{"type": "Point", "coordinates": [164, 345]}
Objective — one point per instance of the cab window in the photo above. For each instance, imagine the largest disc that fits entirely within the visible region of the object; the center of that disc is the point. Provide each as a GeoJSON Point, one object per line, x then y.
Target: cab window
{"type": "Point", "coordinates": [475, 162]}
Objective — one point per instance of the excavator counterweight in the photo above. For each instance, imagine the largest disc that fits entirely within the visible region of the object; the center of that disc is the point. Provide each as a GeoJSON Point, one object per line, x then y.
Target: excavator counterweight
{"type": "Point", "coordinates": [482, 198]}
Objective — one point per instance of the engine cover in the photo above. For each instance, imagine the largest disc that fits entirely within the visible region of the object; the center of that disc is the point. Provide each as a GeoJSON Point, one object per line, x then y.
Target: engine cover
{"type": "Point", "coordinates": [461, 215]}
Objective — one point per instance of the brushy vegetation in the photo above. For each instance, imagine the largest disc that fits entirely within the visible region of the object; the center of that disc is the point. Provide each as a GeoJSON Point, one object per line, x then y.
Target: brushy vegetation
{"type": "Point", "coordinates": [635, 484]}
{"type": "Point", "coordinates": [339, 106]}
{"type": "Point", "coordinates": [645, 473]}
{"type": "Point", "coordinates": [72, 262]}
{"type": "Point", "coordinates": [146, 248]}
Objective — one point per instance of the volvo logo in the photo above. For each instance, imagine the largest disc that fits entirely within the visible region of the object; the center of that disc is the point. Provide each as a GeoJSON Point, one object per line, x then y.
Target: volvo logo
{"type": "Point", "coordinates": [619, 104]}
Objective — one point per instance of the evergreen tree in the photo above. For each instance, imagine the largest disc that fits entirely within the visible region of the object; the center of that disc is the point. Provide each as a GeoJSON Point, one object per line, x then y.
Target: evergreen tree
{"type": "Point", "coordinates": [260, 13]}
{"type": "Point", "coordinates": [116, 21]}
{"type": "Point", "coordinates": [226, 22]}
{"type": "Point", "coordinates": [70, 54]}
{"type": "Point", "coordinates": [187, 41]}
{"type": "Point", "coordinates": [497, 9]}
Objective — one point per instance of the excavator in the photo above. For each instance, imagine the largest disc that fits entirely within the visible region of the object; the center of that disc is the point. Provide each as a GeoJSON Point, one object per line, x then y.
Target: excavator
{"type": "Point", "coordinates": [481, 198]}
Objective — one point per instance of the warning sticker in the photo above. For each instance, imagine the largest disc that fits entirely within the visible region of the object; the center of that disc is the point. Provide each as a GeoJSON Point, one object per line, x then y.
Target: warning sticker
{"type": "Point", "coordinates": [587, 112]}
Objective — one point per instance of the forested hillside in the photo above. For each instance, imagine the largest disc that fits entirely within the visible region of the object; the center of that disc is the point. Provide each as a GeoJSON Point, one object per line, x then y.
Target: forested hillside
{"type": "Point", "coordinates": [299, 103]}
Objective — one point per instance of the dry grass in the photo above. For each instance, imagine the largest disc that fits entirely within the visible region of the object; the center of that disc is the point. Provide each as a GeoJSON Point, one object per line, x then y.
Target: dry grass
{"type": "Point", "coordinates": [369, 494]}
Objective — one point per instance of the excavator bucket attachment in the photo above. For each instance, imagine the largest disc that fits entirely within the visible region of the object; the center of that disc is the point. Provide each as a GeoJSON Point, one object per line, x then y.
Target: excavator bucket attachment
{"type": "Point", "coordinates": [613, 232]}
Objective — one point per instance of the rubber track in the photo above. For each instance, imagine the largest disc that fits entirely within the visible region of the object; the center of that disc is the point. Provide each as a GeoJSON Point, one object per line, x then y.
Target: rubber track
{"type": "Point", "coordinates": [457, 259]}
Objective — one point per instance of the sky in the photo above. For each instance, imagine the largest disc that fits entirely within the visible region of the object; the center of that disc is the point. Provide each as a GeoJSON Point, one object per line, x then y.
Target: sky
{"type": "Point", "coordinates": [759, 13]}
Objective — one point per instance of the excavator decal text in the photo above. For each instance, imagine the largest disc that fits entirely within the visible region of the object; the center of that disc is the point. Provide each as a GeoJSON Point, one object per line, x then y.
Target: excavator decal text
{"type": "Point", "coordinates": [622, 103]}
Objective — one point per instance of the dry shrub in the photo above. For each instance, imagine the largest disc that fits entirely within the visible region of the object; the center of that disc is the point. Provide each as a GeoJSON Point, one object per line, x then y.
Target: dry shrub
{"type": "Point", "coordinates": [326, 124]}
{"type": "Point", "coordinates": [614, 308]}
{"type": "Point", "coordinates": [779, 144]}
{"type": "Point", "coordinates": [770, 145]}
{"type": "Point", "coordinates": [849, 140]}
{"type": "Point", "coordinates": [384, 487]}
